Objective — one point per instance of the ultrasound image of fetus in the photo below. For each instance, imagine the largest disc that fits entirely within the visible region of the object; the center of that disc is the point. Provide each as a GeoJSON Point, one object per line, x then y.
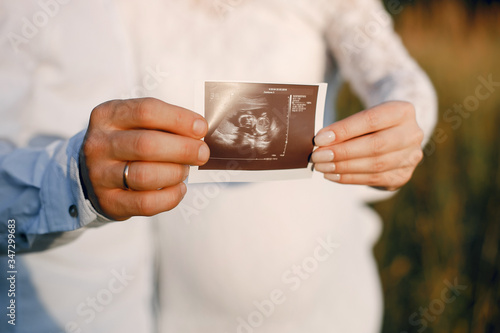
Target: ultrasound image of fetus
{"type": "Point", "coordinates": [251, 130]}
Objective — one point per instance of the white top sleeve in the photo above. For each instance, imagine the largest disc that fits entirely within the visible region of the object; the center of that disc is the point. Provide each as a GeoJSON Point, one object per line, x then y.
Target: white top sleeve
{"type": "Point", "coordinates": [373, 59]}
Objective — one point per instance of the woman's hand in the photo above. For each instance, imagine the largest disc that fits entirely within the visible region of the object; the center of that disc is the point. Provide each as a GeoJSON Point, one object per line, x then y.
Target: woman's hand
{"type": "Point", "coordinates": [379, 147]}
{"type": "Point", "coordinates": [160, 141]}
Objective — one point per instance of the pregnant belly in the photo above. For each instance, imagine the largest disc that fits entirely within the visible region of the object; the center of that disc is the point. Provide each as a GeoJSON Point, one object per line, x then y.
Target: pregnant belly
{"type": "Point", "coordinates": [260, 255]}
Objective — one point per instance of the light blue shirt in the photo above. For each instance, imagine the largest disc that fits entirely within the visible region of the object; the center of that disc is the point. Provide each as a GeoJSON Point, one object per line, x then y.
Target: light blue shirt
{"type": "Point", "coordinates": [41, 190]}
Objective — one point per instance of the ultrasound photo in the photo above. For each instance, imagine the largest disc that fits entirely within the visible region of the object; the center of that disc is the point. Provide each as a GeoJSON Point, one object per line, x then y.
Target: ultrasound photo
{"type": "Point", "coordinates": [261, 126]}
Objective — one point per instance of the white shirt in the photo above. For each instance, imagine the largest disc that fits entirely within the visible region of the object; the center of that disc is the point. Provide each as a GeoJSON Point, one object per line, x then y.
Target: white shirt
{"type": "Point", "coordinates": [290, 256]}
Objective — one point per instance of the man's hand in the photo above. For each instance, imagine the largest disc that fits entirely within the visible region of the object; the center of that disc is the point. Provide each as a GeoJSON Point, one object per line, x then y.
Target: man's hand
{"type": "Point", "coordinates": [160, 140]}
{"type": "Point", "coordinates": [380, 147]}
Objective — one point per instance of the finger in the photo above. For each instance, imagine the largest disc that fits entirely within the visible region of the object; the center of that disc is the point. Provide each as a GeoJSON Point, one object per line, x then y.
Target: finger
{"type": "Point", "coordinates": [378, 164]}
{"type": "Point", "coordinates": [144, 176]}
{"type": "Point", "coordinates": [156, 146]}
{"type": "Point", "coordinates": [390, 180]}
{"type": "Point", "coordinates": [376, 144]}
{"type": "Point", "coordinates": [368, 121]}
{"type": "Point", "coordinates": [150, 113]}
{"type": "Point", "coordinates": [125, 204]}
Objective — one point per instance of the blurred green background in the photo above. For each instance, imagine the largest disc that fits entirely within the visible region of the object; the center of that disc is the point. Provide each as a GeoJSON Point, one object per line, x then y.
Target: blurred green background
{"type": "Point", "coordinates": [443, 228]}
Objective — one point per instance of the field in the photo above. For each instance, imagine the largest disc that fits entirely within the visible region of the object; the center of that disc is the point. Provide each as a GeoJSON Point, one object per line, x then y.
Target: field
{"type": "Point", "coordinates": [439, 253]}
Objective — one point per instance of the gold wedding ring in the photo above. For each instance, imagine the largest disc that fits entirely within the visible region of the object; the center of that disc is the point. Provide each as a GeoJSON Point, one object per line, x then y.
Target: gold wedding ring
{"type": "Point", "coordinates": [125, 175]}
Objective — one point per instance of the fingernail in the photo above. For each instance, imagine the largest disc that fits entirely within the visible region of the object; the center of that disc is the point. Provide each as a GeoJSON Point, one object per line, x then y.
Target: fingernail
{"type": "Point", "coordinates": [324, 139]}
{"type": "Point", "coordinates": [325, 167]}
{"type": "Point", "coordinates": [203, 153]}
{"type": "Point", "coordinates": [183, 189]}
{"type": "Point", "coordinates": [333, 177]}
{"type": "Point", "coordinates": [322, 156]}
{"type": "Point", "coordinates": [199, 127]}
{"type": "Point", "coordinates": [186, 173]}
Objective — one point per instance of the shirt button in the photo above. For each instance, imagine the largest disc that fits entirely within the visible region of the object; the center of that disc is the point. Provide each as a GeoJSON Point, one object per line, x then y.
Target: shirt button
{"type": "Point", "coordinates": [73, 211]}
